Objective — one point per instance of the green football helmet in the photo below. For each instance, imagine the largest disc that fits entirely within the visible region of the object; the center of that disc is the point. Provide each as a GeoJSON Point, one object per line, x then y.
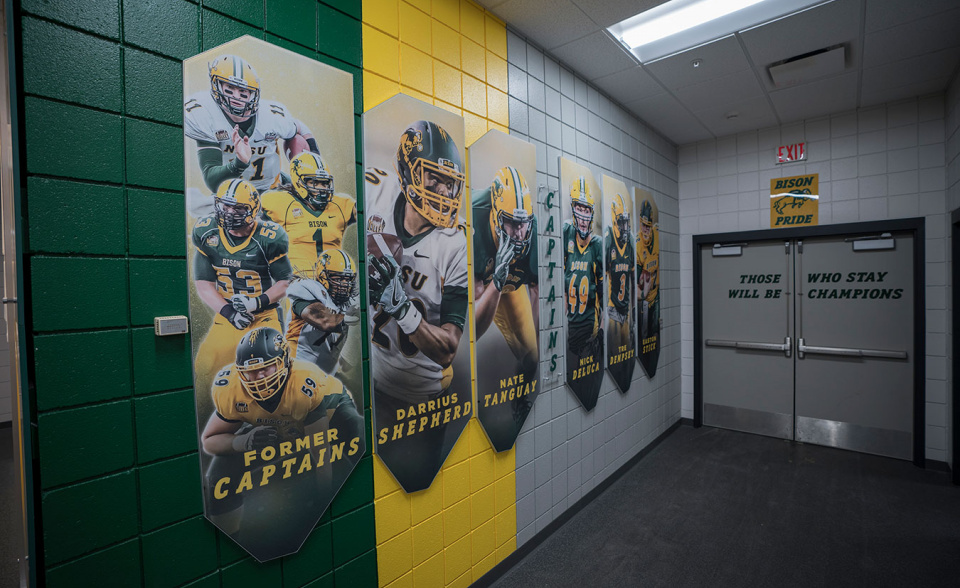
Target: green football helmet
{"type": "Point", "coordinates": [263, 362]}
{"type": "Point", "coordinates": [431, 172]}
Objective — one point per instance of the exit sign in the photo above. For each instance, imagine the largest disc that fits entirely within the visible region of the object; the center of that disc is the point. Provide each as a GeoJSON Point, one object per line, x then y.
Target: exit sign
{"type": "Point", "coordinates": [791, 153]}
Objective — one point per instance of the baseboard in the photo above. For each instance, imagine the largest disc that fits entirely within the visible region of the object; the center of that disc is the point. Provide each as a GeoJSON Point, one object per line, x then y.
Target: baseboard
{"type": "Point", "coordinates": [937, 466]}
{"type": "Point", "coordinates": [511, 560]}
{"type": "Point", "coordinates": [6, 425]}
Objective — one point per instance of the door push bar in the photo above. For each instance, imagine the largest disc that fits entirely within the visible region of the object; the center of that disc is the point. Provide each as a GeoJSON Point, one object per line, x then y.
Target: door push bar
{"type": "Point", "coordinates": [847, 352]}
{"type": "Point", "coordinates": [784, 347]}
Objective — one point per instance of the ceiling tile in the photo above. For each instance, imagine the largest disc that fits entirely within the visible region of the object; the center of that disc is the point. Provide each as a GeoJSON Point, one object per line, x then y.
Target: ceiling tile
{"type": "Point", "coordinates": [823, 26]}
{"type": "Point", "coordinates": [825, 96]}
{"type": "Point", "coordinates": [665, 114]}
{"type": "Point", "coordinates": [882, 96]}
{"type": "Point", "coordinates": [884, 14]}
{"type": "Point", "coordinates": [718, 59]}
{"type": "Point", "coordinates": [629, 86]}
{"type": "Point", "coordinates": [610, 12]}
{"type": "Point", "coordinates": [730, 89]}
{"type": "Point", "coordinates": [595, 55]}
{"type": "Point", "coordinates": [912, 39]}
{"type": "Point", "coordinates": [911, 71]}
{"type": "Point", "coordinates": [753, 113]}
{"type": "Point", "coordinates": [549, 23]}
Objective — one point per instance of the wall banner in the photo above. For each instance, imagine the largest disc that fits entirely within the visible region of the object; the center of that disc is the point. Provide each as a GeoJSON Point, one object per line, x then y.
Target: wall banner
{"type": "Point", "coordinates": [583, 280]}
{"type": "Point", "coordinates": [417, 284]}
{"type": "Point", "coordinates": [648, 281]}
{"type": "Point", "coordinates": [506, 283]}
{"type": "Point", "coordinates": [795, 201]}
{"type": "Point", "coordinates": [273, 292]}
{"type": "Point", "coordinates": [618, 251]}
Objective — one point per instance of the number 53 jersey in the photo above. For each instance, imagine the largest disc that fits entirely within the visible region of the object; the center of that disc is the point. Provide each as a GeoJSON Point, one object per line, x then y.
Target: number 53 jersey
{"type": "Point", "coordinates": [433, 268]}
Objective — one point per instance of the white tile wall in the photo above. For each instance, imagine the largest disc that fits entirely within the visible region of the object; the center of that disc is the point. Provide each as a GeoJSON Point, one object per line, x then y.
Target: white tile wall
{"type": "Point", "coordinates": [944, 309]}
{"type": "Point", "coordinates": [876, 163]}
{"type": "Point", "coordinates": [563, 452]}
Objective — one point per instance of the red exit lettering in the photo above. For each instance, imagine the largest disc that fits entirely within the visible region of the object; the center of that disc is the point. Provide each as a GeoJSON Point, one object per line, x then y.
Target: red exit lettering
{"type": "Point", "coordinates": [788, 153]}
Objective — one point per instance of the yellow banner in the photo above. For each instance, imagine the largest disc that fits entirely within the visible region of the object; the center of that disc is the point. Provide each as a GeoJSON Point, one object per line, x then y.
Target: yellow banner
{"type": "Point", "coordinates": [795, 201]}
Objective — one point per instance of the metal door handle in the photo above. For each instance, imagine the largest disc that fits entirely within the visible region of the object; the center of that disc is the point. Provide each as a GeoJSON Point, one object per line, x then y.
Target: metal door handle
{"type": "Point", "coordinates": [848, 352]}
{"type": "Point", "coordinates": [782, 347]}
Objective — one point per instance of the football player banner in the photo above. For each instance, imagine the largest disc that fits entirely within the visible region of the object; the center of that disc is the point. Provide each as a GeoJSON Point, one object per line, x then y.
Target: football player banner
{"type": "Point", "coordinates": [583, 280]}
{"type": "Point", "coordinates": [618, 248]}
{"type": "Point", "coordinates": [506, 286]}
{"type": "Point", "coordinates": [417, 285]}
{"type": "Point", "coordinates": [273, 289]}
{"type": "Point", "coordinates": [648, 281]}
{"type": "Point", "coordinates": [795, 201]}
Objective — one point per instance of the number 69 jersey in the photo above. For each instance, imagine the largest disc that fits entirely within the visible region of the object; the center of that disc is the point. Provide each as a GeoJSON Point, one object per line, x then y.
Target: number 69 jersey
{"type": "Point", "coordinates": [433, 266]}
{"type": "Point", "coordinates": [204, 120]}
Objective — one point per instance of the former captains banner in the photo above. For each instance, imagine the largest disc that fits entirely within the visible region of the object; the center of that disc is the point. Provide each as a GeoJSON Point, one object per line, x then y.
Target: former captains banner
{"type": "Point", "coordinates": [274, 302]}
{"type": "Point", "coordinates": [417, 283]}
{"type": "Point", "coordinates": [583, 280]}
{"type": "Point", "coordinates": [506, 283]}
{"type": "Point", "coordinates": [648, 281]}
{"type": "Point", "coordinates": [618, 249]}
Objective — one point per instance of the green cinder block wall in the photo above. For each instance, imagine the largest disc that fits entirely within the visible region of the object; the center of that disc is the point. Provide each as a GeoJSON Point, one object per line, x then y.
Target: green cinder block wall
{"type": "Point", "coordinates": [117, 480]}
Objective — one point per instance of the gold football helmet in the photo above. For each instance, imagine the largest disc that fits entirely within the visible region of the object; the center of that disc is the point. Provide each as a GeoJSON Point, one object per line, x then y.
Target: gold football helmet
{"type": "Point", "coordinates": [620, 220]}
{"type": "Point", "coordinates": [263, 362]}
{"type": "Point", "coordinates": [236, 204]}
{"type": "Point", "coordinates": [337, 272]}
{"type": "Point", "coordinates": [511, 214]}
{"type": "Point", "coordinates": [311, 179]}
{"type": "Point", "coordinates": [580, 198]}
{"type": "Point", "coordinates": [235, 85]}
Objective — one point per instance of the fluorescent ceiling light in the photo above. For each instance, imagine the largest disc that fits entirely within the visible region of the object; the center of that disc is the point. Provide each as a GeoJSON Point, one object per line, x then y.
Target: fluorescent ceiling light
{"type": "Point", "coordinates": [681, 24]}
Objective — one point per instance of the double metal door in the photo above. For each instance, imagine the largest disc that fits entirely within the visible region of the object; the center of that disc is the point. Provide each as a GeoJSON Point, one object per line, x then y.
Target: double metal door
{"type": "Point", "coordinates": [811, 340]}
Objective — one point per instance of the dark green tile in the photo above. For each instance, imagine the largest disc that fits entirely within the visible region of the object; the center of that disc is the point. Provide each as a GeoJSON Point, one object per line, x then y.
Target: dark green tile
{"type": "Point", "coordinates": [179, 553]}
{"type": "Point", "coordinates": [340, 37]}
{"type": "Point", "coordinates": [250, 12]}
{"type": "Point", "coordinates": [313, 560]}
{"type": "Point", "coordinates": [156, 223]}
{"type": "Point", "coordinates": [211, 581]}
{"type": "Point", "coordinates": [168, 28]}
{"type": "Point", "coordinates": [72, 217]}
{"type": "Point", "coordinates": [97, 16]}
{"type": "Point", "coordinates": [218, 29]}
{"type": "Point", "coordinates": [78, 368]}
{"type": "Point", "coordinates": [324, 582]}
{"type": "Point", "coordinates": [250, 573]}
{"type": "Point", "coordinates": [293, 19]}
{"type": "Point", "coordinates": [81, 443]}
{"type": "Point", "coordinates": [359, 572]}
{"type": "Point", "coordinates": [78, 293]}
{"type": "Point", "coordinates": [351, 7]}
{"type": "Point", "coordinates": [166, 426]}
{"type": "Point", "coordinates": [60, 141]}
{"type": "Point", "coordinates": [158, 287]}
{"type": "Point", "coordinates": [170, 491]}
{"type": "Point", "coordinates": [70, 66]}
{"type": "Point", "coordinates": [160, 363]}
{"type": "Point", "coordinates": [298, 49]}
{"type": "Point", "coordinates": [154, 155]}
{"type": "Point", "coordinates": [229, 551]}
{"type": "Point", "coordinates": [151, 86]}
{"type": "Point", "coordinates": [356, 491]}
{"type": "Point", "coordinates": [85, 517]}
{"type": "Point", "coordinates": [355, 533]}
{"type": "Point", "coordinates": [116, 567]}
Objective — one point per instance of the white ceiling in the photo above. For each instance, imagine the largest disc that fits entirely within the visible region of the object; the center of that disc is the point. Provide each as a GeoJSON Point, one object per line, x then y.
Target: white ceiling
{"type": "Point", "coordinates": [894, 49]}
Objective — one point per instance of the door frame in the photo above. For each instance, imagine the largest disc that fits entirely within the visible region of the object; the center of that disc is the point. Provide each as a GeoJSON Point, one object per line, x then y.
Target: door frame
{"type": "Point", "coordinates": [955, 339]}
{"type": "Point", "coordinates": [912, 225]}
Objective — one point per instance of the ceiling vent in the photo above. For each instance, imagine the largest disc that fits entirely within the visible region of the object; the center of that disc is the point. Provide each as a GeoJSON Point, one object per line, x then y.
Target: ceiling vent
{"type": "Point", "coordinates": [808, 67]}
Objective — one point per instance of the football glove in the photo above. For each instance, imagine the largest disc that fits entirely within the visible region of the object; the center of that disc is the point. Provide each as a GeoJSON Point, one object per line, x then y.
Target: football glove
{"type": "Point", "coordinates": [501, 265]}
{"type": "Point", "coordinates": [389, 292]}
{"type": "Point", "coordinates": [249, 305]}
{"type": "Point", "coordinates": [239, 319]}
{"type": "Point", "coordinates": [255, 439]}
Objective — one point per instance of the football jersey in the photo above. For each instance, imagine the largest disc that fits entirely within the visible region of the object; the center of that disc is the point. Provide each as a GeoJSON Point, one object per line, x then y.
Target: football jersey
{"type": "Point", "coordinates": [434, 266]}
{"type": "Point", "coordinates": [307, 389]}
{"type": "Point", "coordinates": [250, 267]}
{"type": "Point", "coordinates": [312, 344]}
{"type": "Point", "coordinates": [204, 120]}
{"type": "Point", "coordinates": [583, 277]}
{"type": "Point", "coordinates": [310, 232]}
{"type": "Point", "coordinates": [620, 267]}
{"type": "Point", "coordinates": [648, 260]}
{"type": "Point", "coordinates": [522, 271]}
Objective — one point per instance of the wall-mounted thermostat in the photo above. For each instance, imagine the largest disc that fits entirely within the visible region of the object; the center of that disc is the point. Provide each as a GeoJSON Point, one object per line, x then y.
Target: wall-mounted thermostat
{"type": "Point", "coordinates": [170, 325]}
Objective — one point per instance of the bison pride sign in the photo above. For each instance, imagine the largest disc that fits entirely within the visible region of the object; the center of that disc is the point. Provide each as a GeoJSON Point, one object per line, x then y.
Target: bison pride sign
{"type": "Point", "coordinates": [795, 201]}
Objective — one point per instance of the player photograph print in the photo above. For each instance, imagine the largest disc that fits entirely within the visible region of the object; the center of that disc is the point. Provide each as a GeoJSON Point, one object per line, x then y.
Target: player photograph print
{"type": "Point", "coordinates": [618, 247]}
{"type": "Point", "coordinates": [417, 286]}
{"type": "Point", "coordinates": [273, 289]}
{"type": "Point", "coordinates": [506, 286]}
{"type": "Point", "coordinates": [648, 282]}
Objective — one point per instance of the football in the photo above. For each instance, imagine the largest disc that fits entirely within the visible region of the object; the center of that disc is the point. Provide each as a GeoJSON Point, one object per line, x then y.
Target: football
{"type": "Point", "coordinates": [381, 244]}
{"type": "Point", "coordinates": [294, 146]}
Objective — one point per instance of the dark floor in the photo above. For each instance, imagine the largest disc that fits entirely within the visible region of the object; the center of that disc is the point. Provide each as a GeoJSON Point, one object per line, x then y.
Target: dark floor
{"type": "Point", "coordinates": [709, 507]}
{"type": "Point", "coordinates": [9, 525]}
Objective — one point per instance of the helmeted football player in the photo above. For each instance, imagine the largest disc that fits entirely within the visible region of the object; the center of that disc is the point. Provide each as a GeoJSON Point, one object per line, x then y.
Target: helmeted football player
{"type": "Point", "coordinates": [419, 301]}
{"type": "Point", "coordinates": [583, 280]}
{"type": "Point", "coordinates": [648, 274]}
{"type": "Point", "coordinates": [618, 245]}
{"type": "Point", "coordinates": [240, 271]}
{"type": "Point", "coordinates": [264, 397]}
{"type": "Point", "coordinates": [320, 310]}
{"type": "Point", "coordinates": [236, 130]}
{"type": "Point", "coordinates": [313, 215]}
{"type": "Point", "coordinates": [506, 284]}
